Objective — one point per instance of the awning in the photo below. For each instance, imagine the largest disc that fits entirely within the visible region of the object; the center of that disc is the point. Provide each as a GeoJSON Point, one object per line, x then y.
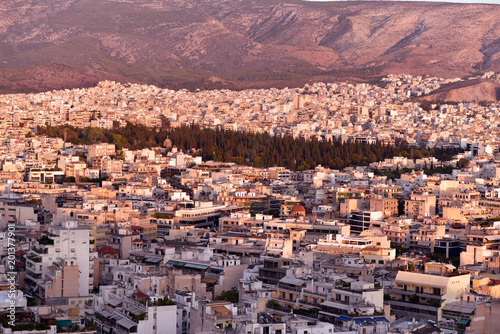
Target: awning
{"type": "Point", "coordinates": [134, 310]}
{"type": "Point", "coordinates": [209, 280]}
{"type": "Point", "coordinates": [153, 260]}
{"type": "Point", "coordinates": [125, 323]}
{"type": "Point", "coordinates": [292, 281]}
{"type": "Point", "coordinates": [343, 318]}
{"type": "Point", "coordinates": [380, 319]}
{"type": "Point", "coordinates": [64, 323]}
{"type": "Point", "coordinates": [105, 313]}
{"type": "Point", "coordinates": [176, 263]}
{"type": "Point", "coordinates": [463, 322]}
{"type": "Point", "coordinates": [196, 266]}
{"type": "Point", "coordinates": [141, 295]}
{"type": "Point", "coordinates": [335, 305]}
{"type": "Point", "coordinates": [114, 302]}
{"type": "Point", "coordinates": [362, 320]}
{"type": "Point", "coordinates": [221, 310]}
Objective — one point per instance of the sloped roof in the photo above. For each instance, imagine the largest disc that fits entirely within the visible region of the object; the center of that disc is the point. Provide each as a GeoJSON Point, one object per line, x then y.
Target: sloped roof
{"type": "Point", "coordinates": [292, 281]}
{"type": "Point", "coordinates": [141, 295]}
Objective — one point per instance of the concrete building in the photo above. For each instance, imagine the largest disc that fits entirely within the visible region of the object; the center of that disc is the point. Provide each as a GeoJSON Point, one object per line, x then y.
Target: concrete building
{"type": "Point", "coordinates": [424, 295]}
{"type": "Point", "coordinates": [61, 246]}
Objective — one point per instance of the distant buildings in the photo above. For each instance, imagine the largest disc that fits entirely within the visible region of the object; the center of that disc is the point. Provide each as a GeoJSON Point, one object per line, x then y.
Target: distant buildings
{"type": "Point", "coordinates": [156, 240]}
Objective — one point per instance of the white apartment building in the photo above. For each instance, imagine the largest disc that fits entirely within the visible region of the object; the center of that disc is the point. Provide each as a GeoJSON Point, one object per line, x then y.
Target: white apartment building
{"type": "Point", "coordinates": [69, 241]}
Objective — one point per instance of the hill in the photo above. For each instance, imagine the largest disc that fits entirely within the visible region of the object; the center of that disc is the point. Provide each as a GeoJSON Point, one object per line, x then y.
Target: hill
{"type": "Point", "coordinates": [478, 90]}
{"type": "Point", "coordinates": [239, 43]}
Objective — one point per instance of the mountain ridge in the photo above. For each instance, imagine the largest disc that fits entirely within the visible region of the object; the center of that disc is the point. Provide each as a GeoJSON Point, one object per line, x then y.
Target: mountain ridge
{"type": "Point", "coordinates": [261, 43]}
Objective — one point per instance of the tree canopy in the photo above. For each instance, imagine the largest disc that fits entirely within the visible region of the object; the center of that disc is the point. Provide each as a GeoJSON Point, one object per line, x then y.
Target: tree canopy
{"type": "Point", "coordinates": [259, 150]}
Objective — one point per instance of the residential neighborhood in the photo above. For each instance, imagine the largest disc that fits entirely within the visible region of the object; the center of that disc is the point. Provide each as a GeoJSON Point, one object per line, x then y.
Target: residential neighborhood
{"type": "Point", "coordinates": [108, 239]}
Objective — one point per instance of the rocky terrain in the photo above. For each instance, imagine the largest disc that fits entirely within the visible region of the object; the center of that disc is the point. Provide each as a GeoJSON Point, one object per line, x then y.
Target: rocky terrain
{"type": "Point", "coordinates": [46, 44]}
{"type": "Point", "coordinates": [477, 90]}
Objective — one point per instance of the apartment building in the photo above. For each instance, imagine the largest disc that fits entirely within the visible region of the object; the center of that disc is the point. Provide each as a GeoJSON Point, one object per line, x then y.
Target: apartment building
{"type": "Point", "coordinates": [387, 205]}
{"type": "Point", "coordinates": [100, 150]}
{"type": "Point", "coordinates": [424, 294]}
{"type": "Point", "coordinates": [361, 221]}
{"type": "Point", "coordinates": [62, 245]}
{"type": "Point", "coordinates": [420, 205]}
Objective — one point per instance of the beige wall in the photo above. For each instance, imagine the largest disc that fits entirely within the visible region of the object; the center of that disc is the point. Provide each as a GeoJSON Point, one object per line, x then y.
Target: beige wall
{"type": "Point", "coordinates": [65, 285]}
{"type": "Point", "coordinates": [232, 275]}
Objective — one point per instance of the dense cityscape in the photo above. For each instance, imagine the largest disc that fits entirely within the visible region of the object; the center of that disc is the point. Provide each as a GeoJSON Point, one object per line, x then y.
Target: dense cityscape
{"type": "Point", "coordinates": [117, 216]}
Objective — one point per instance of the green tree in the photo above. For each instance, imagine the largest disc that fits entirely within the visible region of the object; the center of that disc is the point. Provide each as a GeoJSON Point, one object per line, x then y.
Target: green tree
{"type": "Point", "coordinates": [229, 295]}
{"type": "Point", "coordinates": [462, 163]}
{"type": "Point", "coordinates": [400, 250]}
{"type": "Point", "coordinates": [259, 150]}
{"type": "Point", "coordinates": [401, 206]}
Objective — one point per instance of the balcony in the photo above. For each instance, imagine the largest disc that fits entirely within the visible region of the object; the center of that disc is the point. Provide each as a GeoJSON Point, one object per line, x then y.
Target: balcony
{"type": "Point", "coordinates": [343, 302]}
{"type": "Point", "coordinates": [289, 288]}
{"type": "Point", "coordinates": [420, 244]}
{"type": "Point", "coordinates": [416, 305]}
{"type": "Point", "coordinates": [223, 317]}
{"type": "Point", "coordinates": [431, 296]}
{"type": "Point", "coordinates": [40, 250]}
{"type": "Point", "coordinates": [35, 278]}
{"type": "Point", "coordinates": [314, 293]}
{"type": "Point", "coordinates": [307, 303]}
{"type": "Point", "coordinates": [354, 293]}
{"type": "Point", "coordinates": [31, 267]}
{"type": "Point", "coordinates": [401, 292]}
{"type": "Point", "coordinates": [286, 301]}
{"type": "Point", "coordinates": [413, 293]}
{"type": "Point", "coordinates": [34, 258]}
{"type": "Point", "coordinates": [273, 305]}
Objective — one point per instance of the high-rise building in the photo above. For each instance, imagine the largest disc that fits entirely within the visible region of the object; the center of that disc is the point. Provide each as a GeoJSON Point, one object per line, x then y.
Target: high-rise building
{"type": "Point", "coordinates": [62, 250]}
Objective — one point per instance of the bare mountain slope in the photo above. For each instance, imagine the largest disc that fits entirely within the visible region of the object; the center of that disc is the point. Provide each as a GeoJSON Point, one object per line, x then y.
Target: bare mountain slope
{"type": "Point", "coordinates": [244, 43]}
{"type": "Point", "coordinates": [478, 90]}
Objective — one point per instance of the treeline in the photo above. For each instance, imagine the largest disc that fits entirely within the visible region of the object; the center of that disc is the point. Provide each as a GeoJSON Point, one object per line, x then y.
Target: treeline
{"type": "Point", "coordinates": [259, 150]}
{"type": "Point", "coordinates": [396, 174]}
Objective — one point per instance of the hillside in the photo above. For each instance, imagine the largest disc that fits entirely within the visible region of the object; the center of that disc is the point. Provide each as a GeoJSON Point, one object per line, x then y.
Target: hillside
{"type": "Point", "coordinates": [239, 43]}
{"type": "Point", "coordinates": [478, 90]}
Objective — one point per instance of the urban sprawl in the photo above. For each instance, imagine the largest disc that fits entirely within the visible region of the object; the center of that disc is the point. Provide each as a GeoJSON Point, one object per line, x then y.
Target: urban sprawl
{"type": "Point", "coordinates": [100, 239]}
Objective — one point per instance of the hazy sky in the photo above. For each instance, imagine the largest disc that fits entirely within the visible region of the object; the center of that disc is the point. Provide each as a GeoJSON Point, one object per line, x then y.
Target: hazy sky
{"type": "Point", "coordinates": [466, 1]}
{"type": "Point", "coordinates": [459, 1]}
